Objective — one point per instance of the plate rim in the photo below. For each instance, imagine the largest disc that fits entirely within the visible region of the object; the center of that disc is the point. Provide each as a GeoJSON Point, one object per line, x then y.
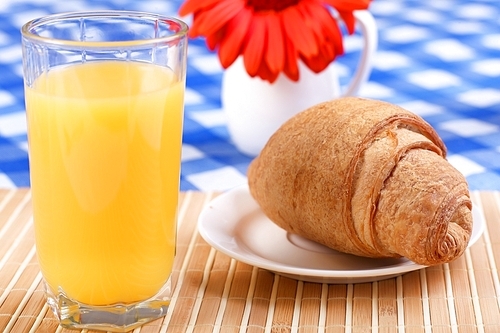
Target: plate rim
{"type": "Point", "coordinates": [283, 269]}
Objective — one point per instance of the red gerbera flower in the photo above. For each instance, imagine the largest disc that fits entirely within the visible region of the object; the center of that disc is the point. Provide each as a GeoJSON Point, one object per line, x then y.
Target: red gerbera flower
{"type": "Point", "coordinates": [272, 35]}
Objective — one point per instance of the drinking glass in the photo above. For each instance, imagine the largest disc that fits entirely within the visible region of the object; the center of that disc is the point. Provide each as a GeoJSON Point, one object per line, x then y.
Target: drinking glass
{"type": "Point", "coordinates": [104, 94]}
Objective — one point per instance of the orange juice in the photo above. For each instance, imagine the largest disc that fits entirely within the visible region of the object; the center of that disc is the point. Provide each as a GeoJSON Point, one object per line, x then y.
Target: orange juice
{"type": "Point", "coordinates": [104, 162]}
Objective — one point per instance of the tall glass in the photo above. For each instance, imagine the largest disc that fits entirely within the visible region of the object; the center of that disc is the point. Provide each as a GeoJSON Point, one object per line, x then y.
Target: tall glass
{"type": "Point", "coordinates": [104, 99]}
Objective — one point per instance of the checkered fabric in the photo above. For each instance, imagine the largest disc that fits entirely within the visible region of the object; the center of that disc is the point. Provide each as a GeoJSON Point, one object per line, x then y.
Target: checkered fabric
{"type": "Point", "coordinates": [439, 59]}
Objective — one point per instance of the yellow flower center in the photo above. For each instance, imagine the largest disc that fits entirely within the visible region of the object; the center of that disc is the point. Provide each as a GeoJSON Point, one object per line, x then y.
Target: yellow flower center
{"type": "Point", "coordinates": [265, 5]}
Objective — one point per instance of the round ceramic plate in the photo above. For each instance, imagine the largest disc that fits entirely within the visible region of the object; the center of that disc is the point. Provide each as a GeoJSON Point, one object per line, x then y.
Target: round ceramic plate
{"type": "Point", "coordinates": [234, 224]}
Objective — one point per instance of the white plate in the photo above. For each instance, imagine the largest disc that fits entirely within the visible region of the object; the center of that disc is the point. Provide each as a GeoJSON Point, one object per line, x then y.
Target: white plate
{"type": "Point", "coordinates": [234, 224]}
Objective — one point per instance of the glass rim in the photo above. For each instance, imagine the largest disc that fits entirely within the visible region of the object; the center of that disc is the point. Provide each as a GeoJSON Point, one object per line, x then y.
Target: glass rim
{"type": "Point", "coordinates": [40, 21]}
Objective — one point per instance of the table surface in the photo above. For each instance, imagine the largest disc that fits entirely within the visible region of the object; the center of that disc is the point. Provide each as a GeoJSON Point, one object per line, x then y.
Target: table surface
{"type": "Point", "coordinates": [215, 293]}
{"type": "Point", "coordinates": [439, 59]}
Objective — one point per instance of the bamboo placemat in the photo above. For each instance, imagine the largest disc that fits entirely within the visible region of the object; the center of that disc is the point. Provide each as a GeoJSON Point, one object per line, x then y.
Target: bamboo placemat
{"type": "Point", "coordinates": [215, 293]}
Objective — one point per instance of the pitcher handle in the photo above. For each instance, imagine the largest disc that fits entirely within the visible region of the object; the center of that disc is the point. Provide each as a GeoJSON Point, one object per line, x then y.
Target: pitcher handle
{"type": "Point", "coordinates": [368, 27]}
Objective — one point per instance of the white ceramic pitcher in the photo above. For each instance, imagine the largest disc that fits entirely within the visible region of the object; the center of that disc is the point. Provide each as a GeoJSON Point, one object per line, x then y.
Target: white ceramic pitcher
{"type": "Point", "coordinates": [255, 108]}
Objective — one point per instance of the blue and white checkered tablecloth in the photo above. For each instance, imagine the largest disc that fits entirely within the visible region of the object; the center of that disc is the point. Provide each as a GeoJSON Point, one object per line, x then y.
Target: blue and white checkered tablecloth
{"type": "Point", "coordinates": [439, 59]}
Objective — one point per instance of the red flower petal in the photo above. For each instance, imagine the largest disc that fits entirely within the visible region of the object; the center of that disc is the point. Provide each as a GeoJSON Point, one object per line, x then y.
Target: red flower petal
{"type": "Point", "coordinates": [254, 49]}
{"type": "Point", "coordinates": [349, 21]}
{"type": "Point", "coordinates": [291, 68]}
{"type": "Point", "coordinates": [267, 74]}
{"type": "Point", "coordinates": [302, 39]}
{"type": "Point", "coordinates": [327, 34]}
{"type": "Point", "coordinates": [214, 39]}
{"type": "Point", "coordinates": [273, 36]}
{"type": "Point", "coordinates": [210, 21]}
{"type": "Point", "coordinates": [330, 30]}
{"type": "Point", "coordinates": [322, 60]}
{"type": "Point", "coordinates": [191, 6]}
{"type": "Point", "coordinates": [348, 5]}
{"type": "Point", "coordinates": [329, 24]}
{"type": "Point", "coordinates": [345, 9]}
{"type": "Point", "coordinates": [310, 11]}
{"type": "Point", "coordinates": [231, 46]}
{"type": "Point", "coordinates": [275, 44]}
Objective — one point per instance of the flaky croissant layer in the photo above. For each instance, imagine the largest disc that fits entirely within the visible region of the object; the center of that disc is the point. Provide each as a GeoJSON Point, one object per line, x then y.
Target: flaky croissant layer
{"type": "Point", "coordinates": [364, 177]}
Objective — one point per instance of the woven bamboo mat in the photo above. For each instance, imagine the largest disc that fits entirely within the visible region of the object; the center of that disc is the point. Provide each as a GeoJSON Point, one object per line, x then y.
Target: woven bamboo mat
{"type": "Point", "coordinates": [215, 293]}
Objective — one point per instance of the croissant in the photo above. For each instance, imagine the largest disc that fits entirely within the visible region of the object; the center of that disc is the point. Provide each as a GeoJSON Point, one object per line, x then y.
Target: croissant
{"type": "Point", "coordinates": [364, 177]}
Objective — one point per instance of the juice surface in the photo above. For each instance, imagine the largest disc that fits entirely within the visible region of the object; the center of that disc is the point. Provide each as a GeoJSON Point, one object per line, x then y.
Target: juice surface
{"type": "Point", "coordinates": [105, 143]}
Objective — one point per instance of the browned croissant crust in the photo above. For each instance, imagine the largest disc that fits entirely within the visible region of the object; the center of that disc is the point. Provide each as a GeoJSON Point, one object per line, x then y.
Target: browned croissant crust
{"type": "Point", "coordinates": [364, 177]}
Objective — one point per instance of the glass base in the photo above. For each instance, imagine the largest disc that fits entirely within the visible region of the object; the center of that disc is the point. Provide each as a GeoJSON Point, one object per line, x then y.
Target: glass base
{"type": "Point", "coordinates": [112, 318]}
